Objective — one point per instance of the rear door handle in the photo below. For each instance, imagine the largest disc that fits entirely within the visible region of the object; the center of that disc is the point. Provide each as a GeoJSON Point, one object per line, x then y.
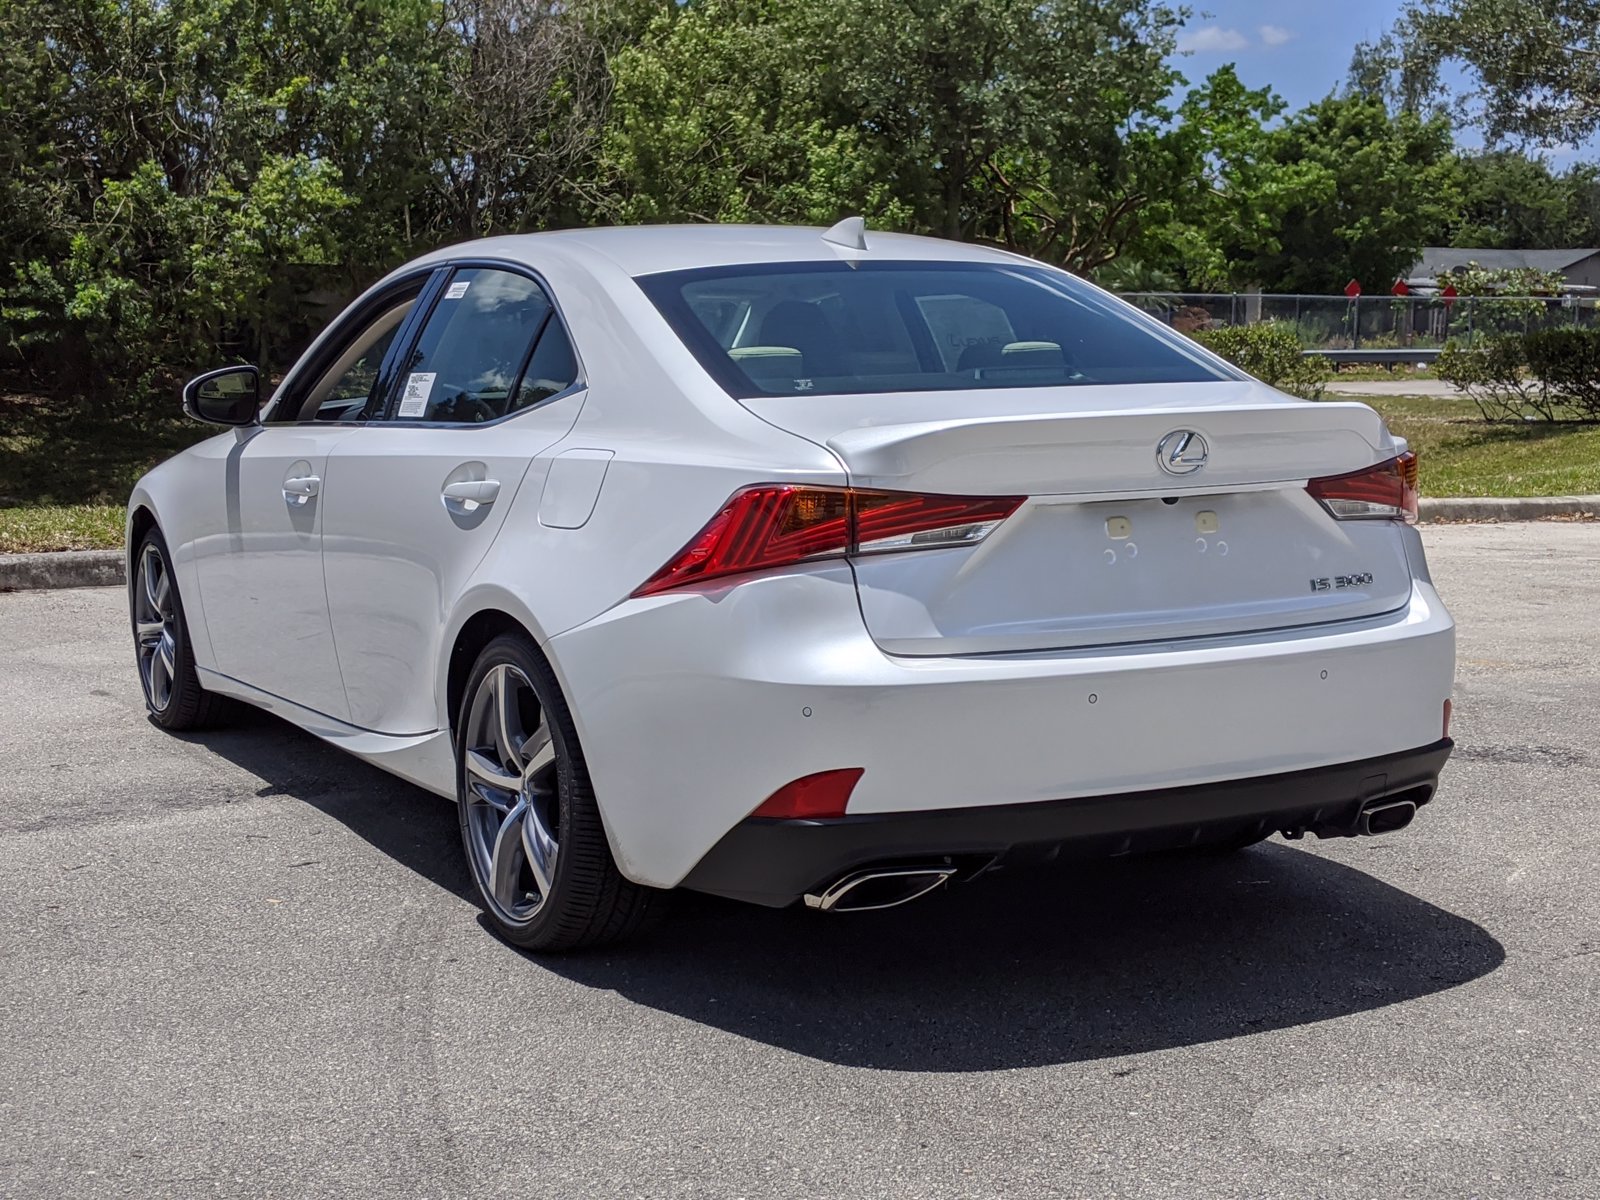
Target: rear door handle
{"type": "Point", "coordinates": [302, 488]}
{"type": "Point", "coordinates": [473, 491]}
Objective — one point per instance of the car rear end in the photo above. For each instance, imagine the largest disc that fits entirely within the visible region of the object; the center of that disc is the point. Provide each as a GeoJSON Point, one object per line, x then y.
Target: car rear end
{"type": "Point", "coordinates": [1079, 588]}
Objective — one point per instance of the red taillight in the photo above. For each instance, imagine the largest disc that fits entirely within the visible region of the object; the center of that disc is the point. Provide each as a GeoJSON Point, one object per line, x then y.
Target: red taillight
{"type": "Point", "coordinates": [812, 797]}
{"type": "Point", "coordinates": [1386, 491]}
{"type": "Point", "coordinates": [780, 524]}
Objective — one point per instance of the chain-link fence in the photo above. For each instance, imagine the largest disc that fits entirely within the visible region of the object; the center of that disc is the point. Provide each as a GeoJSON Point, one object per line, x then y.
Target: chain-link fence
{"type": "Point", "coordinates": [1371, 322]}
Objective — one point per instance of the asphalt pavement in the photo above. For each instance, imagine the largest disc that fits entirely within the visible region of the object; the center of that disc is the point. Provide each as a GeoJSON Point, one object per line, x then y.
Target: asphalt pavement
{"type": "Point", "coordinates": [242, 964]}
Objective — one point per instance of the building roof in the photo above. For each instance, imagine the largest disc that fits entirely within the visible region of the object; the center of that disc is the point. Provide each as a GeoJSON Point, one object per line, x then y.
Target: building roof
{"type": "Point", "coordinates": [1440, 260]}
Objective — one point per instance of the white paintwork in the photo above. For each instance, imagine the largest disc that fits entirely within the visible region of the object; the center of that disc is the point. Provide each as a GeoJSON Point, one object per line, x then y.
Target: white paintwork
{"type": "Point", "coordinates": [719, 721]}
{"type": "Point", "coordinates": [257, 544]}
{"type": "Point", "coordinates": [694, 706]}
{"type": "Point", "coordinates": [398, 552]}
{"type": "Point", "coordinates": [572, 487]}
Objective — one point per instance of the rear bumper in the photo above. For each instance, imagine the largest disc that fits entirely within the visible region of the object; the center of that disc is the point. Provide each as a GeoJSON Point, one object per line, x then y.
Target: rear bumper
{"type": "Point", "coordinates": [694, 707]}
{"type": "Point", "coordinates": [776, 862]}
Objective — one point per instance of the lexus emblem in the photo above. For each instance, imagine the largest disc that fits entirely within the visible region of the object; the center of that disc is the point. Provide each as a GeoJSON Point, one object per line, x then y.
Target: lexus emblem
{"type": "Point", "coordinates": [1182, 452]}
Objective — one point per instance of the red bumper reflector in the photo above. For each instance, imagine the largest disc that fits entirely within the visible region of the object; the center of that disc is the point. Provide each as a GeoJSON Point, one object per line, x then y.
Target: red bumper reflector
{"type": "Point", "coordinates": [1447, 718]}
{"type": "Point", "coordinates": [812, 797]}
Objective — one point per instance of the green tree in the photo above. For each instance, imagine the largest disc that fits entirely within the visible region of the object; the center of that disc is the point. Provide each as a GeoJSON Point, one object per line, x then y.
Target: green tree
{"type": "Point", "coordinates": [1512, 201]}
{"type": "Point", "coordinates": [1350, 192]}
{"type": "Point", "coordinates": [1042, 127]}
{"type": "Point", "coordinates": [716, 116]}
{"type": "Point", "coordinates": [1535, 63]}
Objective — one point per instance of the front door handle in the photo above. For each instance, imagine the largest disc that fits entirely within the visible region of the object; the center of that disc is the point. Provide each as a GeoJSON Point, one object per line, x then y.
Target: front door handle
{"type": "Point", "coordinates": [472, 491]}
{"type": "Point", "coordinates": [301, 488]}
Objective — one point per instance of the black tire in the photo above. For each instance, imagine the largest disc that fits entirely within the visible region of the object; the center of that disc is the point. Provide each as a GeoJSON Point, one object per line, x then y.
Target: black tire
{"type": "Point", "coordinates": [184, 705]}
{"type": "Point", "coordinates": [589, 903]}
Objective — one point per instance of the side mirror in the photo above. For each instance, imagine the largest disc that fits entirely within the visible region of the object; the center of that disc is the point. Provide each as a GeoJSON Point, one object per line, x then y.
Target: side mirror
{"type": "Point", "coordinates": [231, 396]}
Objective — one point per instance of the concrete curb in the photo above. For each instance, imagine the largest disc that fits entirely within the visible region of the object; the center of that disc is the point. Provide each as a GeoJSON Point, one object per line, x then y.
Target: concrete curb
{"type": "Point", "coordinates": [63, 569]}
{"type": "Point", "coordinates": [1533, 508]}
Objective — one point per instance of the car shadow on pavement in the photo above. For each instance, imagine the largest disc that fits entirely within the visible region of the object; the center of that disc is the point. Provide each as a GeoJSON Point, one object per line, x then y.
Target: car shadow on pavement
{"type": "Point", "coordinates": [412, 826]}
{"type": "Point", "coordinates": [1071, 963]}
{"type": "Point", "coordinates": [1074, 962]}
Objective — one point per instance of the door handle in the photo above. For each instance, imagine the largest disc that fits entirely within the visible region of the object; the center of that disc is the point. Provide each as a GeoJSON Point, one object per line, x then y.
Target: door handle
{"type": "Point", "coordinates": [472, 491]}
{"type": "Point", "coordinates": [302, 488]}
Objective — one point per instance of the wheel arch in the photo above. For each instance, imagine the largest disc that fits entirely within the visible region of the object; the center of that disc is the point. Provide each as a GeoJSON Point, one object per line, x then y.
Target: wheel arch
{"type": "Point", "coordinates": [476, 632]}
{"type": "Point", "coordinates": [141, 520]}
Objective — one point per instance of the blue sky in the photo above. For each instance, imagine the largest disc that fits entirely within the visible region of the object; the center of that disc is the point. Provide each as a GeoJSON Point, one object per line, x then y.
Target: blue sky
{"type": "Point", "coordinates": [1301, 49]}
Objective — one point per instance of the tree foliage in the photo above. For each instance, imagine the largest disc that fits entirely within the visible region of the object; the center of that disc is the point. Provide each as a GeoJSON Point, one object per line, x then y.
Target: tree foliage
{"type": "Point", "coordinates": [187, 180]}
{"type": "Point", "coordinates": [1535, 64]}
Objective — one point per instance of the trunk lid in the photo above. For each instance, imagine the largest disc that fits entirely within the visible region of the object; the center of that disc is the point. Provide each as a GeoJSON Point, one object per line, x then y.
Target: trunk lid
{"type": "Point", "coordinates": [1111, 547]}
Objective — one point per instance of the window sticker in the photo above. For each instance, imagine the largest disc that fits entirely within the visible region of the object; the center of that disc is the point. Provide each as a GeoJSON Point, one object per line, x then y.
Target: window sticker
{"type": "Point", "coordinates": [457, 289]}
{"type": "Point", "coordinates": [419, 386]}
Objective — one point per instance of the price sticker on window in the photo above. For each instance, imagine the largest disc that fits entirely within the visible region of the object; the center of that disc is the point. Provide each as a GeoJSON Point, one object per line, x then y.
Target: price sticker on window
{"type": "Point", "coordinates": [457, 289]}
{"type": "Point", "coordinates": [419, 386]}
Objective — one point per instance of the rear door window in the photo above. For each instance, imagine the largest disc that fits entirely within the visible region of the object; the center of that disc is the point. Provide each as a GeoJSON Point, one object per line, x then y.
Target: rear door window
{"type": "Point", "coordinates": [829, 328]}
{"type": "Point", "coordinates": [492, 346]}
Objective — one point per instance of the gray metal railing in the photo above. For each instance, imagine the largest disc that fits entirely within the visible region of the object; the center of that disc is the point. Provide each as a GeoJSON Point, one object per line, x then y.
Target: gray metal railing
{"type": "Point", "coordinates": [1371, 322]}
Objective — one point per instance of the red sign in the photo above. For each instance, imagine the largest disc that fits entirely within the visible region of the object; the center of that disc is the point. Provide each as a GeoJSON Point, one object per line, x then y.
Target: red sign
{"type": "Point", "coordinates": [1352, 289]}
{"type": "Point", "coordinates": [1400, 288]}
{"type": "Point", "coordinates": [1449, 294]}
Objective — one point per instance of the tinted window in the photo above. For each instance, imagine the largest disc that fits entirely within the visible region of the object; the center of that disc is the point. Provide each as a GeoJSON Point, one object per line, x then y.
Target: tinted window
{"type": "Point", "coordinates": [466, 362]}
{"type": "Point", "coordinates": [818, 328]}
{"type": "Point", "coordinates": [553, 367]}
{"type": "Point", "coordinates": [343, 387]}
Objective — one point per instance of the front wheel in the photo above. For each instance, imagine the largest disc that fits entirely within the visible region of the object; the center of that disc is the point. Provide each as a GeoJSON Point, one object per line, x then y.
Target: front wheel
{"type": "Point", "coordinates": [529, 822]}
{"type": "Point", "coordinates": [172, 690]}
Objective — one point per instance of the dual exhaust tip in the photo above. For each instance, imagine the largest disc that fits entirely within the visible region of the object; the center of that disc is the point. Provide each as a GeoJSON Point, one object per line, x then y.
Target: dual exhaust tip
{"type": "Point", "coordinates": [888, 887]}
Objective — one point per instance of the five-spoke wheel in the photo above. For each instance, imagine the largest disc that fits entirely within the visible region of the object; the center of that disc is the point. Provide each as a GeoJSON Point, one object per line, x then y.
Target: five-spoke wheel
{"type": "Point", "coordinates": [155, 620]}
{"type": "Point", "coordinates": [172, 690]}
{"type": "Point", "coordinates": [529, 822]}
{"type": "Point", "coordinates": [511, 811]}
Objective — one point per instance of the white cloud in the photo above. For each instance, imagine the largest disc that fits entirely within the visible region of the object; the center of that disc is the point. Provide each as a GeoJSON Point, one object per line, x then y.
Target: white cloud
{"type": "Point", "coordinates": [1275, 35]}
{"type": "Point", "coordinates": [1213, 38]}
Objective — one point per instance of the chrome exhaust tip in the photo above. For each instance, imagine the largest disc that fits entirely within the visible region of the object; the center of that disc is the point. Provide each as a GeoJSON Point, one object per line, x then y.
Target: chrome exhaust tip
{"type": "Point", "coordinates": [878, 887]}
{"type": "Point", "coordinates": [1385, 816]}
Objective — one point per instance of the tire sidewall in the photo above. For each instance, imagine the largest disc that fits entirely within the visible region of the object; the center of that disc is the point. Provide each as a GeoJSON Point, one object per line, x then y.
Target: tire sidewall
{"type": "Point", "coordinates": [180, 640]}
{"type": "Point", "coordinates": [517, 651]}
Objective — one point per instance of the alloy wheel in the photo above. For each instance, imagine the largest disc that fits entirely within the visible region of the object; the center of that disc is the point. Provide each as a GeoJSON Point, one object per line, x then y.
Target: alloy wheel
{"type": "Point", "coordinates": [155, 625]}
{"type": "Point", "coordinates": [511, 818]}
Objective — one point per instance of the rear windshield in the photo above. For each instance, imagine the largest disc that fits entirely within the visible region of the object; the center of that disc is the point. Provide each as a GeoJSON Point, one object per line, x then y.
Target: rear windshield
{"type": "Point", "coordinates": [830, 328]}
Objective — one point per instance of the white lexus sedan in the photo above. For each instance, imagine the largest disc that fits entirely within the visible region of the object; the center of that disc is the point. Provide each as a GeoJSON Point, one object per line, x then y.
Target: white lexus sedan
{"type": "Point", "coordinates": [796, 565]}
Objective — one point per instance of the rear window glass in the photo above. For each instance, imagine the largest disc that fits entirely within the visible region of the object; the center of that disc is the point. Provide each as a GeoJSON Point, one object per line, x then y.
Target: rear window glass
{"type": "Point", "coordinates": [831, 328]}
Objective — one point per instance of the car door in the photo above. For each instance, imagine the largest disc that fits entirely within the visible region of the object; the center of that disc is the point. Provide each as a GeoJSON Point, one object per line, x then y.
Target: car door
{"type": "Point", "coordinates": [260, 571]}
{"type": "Point", "coordinates": [418, 494]}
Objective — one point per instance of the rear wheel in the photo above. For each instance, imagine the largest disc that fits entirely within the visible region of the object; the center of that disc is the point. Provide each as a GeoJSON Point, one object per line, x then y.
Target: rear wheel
{"type": "Point", "coordinates": [172, 690]}
{"type": "Point", "coordinates": [529, 823]}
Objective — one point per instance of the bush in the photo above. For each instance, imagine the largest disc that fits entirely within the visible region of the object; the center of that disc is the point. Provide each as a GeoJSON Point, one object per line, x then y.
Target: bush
{"type": "Point", "coordinates": [1548, 375]}
{"type": "Point", "coordinates": [1270, 351]}
{"type": "Point", "coordinates": [1567, 362]}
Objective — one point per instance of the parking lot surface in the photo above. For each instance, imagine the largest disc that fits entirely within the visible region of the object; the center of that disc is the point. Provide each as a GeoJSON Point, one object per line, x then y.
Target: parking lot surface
{"type": "Point", "coordinates": [242, 964]}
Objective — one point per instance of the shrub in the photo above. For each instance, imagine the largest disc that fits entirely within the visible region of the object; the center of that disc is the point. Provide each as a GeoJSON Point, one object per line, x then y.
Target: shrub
{"type": "Point", "coordinates": [1270, 350]}
{"type": "Point", "coordinates": [1548, 375]}
{"type": "Point", "coordinates": [1567, 362]}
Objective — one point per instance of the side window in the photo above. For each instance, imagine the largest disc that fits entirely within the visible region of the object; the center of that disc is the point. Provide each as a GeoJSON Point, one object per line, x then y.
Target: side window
{"type": "Point", "coordinates": [341, 391]}
{"type": "Point", "coordinates": [470, 354]}
{"type": "Point", "coordinates": [552, 368]}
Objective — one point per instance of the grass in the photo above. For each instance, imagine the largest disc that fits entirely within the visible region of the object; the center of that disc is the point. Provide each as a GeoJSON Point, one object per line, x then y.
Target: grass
{"type": "Point", "coordinates": [65, 474]}
{"type": "Point", "coordinates": [60, 527]}
{"type": "Point", "coordinates": [1372, 374]}
{"type": "Point", "coordinates": [1462, 455]}
{"type": "Point", "coordinates": [66, 471]}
